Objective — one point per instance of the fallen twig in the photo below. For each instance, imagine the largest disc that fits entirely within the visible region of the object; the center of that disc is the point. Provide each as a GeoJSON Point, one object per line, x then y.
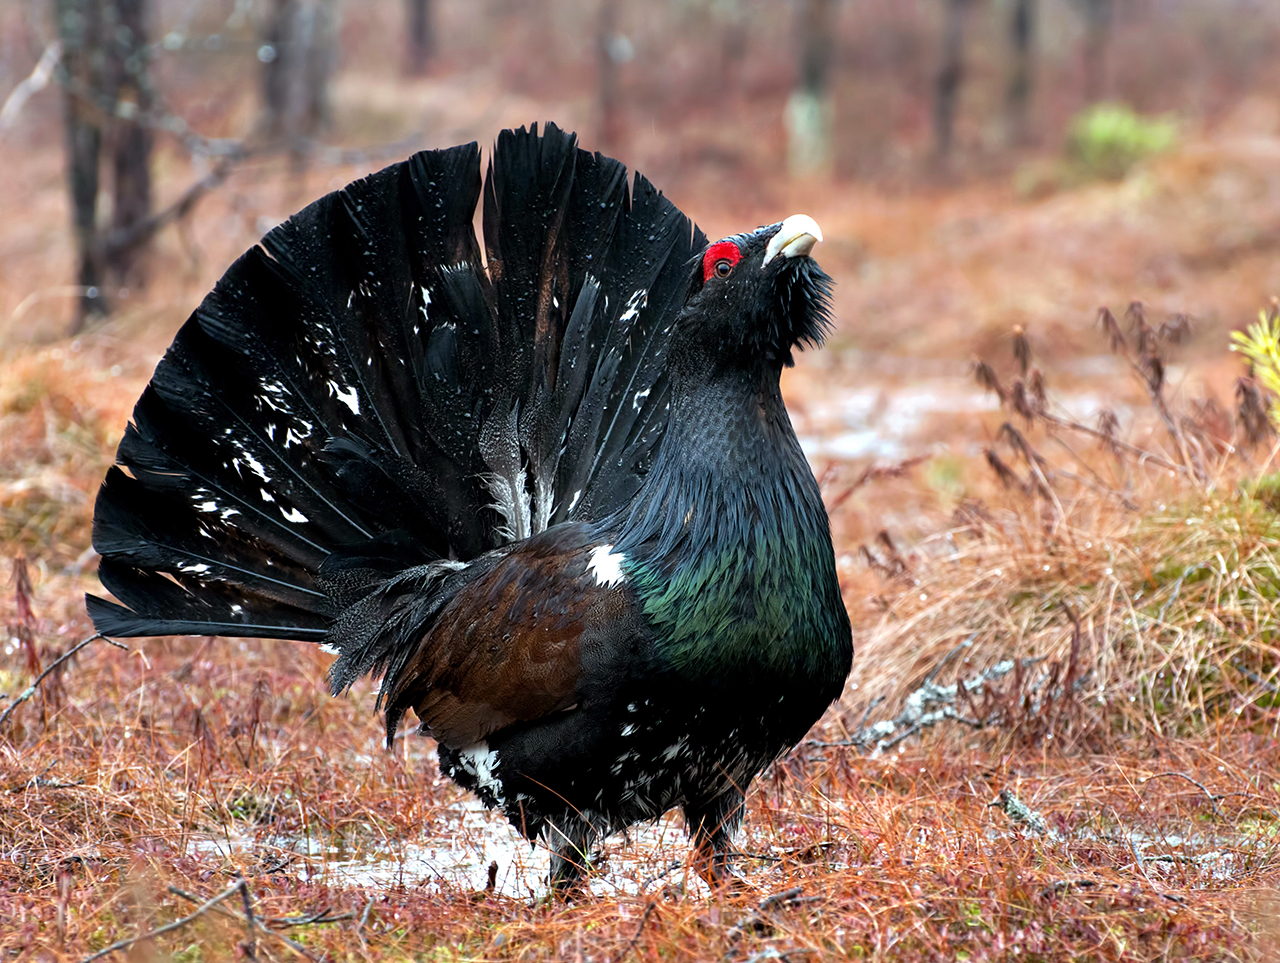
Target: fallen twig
{"type": "Point", "coordinates": [315, 919]}
{"type": "Point", "coordinates": [759, 920]}
{"type": "Point", "coordinates": [1020, 812]}
{"type": "Point", "coordinates": [1213, 800]}
{"type": "Point", "coordinates": [292, 944]}
{"type": "Point", "coordinates": [1256, 679]}
{"type": "Point", "coordinates": [250, 945]}
{"type": "Point", "coordinates": [39, 782]}
{"type": "Point", "coordinates": [364, 918]}
{"type": "Point", "coordinates": [784, 898]}
{"type": "Point", "coordinates": [926, 706]}
{"type": "Point", "coordinates": [631, 944]}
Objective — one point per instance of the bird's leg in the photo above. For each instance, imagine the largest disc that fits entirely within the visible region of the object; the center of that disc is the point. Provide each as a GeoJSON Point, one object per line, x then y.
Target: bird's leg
{"type": "Point", "coordinates": [570, 838]}
{"type": "Point", "coordinates": [711, 825]}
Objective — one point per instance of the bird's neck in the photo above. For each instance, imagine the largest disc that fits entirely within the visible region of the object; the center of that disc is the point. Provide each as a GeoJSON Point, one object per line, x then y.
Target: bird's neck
{"type": "Point", "coordinates": [728, 541]}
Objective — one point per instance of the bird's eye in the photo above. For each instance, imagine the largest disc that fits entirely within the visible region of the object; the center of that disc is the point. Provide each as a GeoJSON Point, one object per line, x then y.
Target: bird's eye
{"type": "Point", "coordinates": [719, 260]}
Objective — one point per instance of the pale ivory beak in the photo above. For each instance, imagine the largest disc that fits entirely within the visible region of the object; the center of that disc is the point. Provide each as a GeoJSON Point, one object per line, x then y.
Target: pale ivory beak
{"type": "Point", "coordinates": [796, 238]}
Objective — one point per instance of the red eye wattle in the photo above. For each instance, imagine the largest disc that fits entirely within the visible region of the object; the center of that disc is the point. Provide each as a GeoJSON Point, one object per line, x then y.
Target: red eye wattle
{"type": "Point", "coordinates": [719, 260]}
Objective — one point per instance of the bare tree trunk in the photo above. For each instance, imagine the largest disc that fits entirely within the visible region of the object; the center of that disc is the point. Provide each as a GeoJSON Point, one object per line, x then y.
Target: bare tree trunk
{"type": "Point", "coordinates": [1022, 30]}
{"type": "Point", "coordinates": [946, 96]}
{"type": "Point", "coordinates": [299, 53]}
{"type": "Point", "coordinates": [733, 45]}
{"type": "Point", "coordinates": [609, 56]}
{"type": "Point", "coordinates": [420, 36]}
{"type": "Point", "coordinates": [130, 88]}
{"type": "Point", "coordinates": [1098, 16]}
{"type": "Point", "coordinates": [276, 55]}
{"type": "Point", "coordinates": [80, 25]}
{"type": "Point", "coordinates": [808, 115]}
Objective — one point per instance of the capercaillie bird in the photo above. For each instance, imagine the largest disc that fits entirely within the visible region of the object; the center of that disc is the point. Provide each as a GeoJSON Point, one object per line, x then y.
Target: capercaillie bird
{"type": "Point", "coordinates": [552, 496]}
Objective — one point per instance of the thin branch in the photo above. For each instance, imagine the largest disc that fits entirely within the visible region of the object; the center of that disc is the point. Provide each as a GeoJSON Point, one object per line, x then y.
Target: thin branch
{"type": "Point", "coordinates": [235, 153]}
{"type": "Point", "coordinates": [364, 918]}
{"type": "Point", "coordinates": [203, 908]}
{"type": "Point", "coordinates": [250, 921]}
{"type": "Point", "coordinates": [292, 944]}
{"type": "Point", "coordinates": [36, 81]}
{"type": "Point", "coordinates": [1139, 453]}
{"type": "Point", "coordinates": [123, 239]}
{"type": "Point", "coordinates": [31, 689]}
{"type": "Point", "coordinates": [315, 919]}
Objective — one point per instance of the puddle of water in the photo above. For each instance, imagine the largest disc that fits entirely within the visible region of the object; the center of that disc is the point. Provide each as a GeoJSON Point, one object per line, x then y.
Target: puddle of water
{"type": "Point", "coordinates": [461, 841]}
{"type": "Point", "coordinates": [886, 422]}
{"type": "Point", "coordinates": [879, 422]}
{"type": "Point", "coordinates": [456, 851]}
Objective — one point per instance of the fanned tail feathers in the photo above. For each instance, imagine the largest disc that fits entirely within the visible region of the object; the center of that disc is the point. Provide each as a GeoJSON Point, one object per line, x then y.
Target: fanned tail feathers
{"type": "Point", "coordinates": [363, 404]}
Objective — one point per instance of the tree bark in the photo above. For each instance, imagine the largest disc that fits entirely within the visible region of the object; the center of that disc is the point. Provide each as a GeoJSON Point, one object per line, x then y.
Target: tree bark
{"type": "Point", "coordinates": [608, 61]}
{"type": "Point", "coordinates": [1022, 29]}
{"type": "Point", "coordinates": [950, 77]}
{"type": "Point", "coordinates": [419, 35]}
{"type": "Point", "coordinates": [130, 88]}
{"type": "Point", "coordinates": [1098, 16]}
{"type": "Point", "coordinates": [809, 148]}
{"type": "Point", "coordinates": [80, 25]}
{"type": "Point", "coordinates": [299, 53]}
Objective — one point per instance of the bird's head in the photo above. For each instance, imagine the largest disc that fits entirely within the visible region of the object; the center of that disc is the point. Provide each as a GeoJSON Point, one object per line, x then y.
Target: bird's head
{"type": "Point", "coordinates": [754, 297]}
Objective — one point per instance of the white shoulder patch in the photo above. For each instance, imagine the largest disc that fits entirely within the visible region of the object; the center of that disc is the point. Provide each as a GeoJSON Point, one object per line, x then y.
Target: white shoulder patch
{"type": "Point", "coordinates": [606, 566]}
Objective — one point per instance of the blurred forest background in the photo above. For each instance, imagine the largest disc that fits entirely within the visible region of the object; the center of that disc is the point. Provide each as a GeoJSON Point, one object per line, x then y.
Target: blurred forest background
{"type": "Point", "coordinates": [977, 166]}
{"type": "Point", "coordinates": [1078, 546]}
{"type": "Point", "coordinates": [141, 107]}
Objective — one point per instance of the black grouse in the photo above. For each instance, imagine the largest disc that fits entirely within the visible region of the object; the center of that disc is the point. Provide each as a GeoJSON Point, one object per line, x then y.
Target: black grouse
{"type": "Point", "coordinates": [550, 494]}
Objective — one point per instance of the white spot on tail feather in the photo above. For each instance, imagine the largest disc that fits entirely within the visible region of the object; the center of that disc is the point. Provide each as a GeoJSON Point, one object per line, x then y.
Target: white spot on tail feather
{"type": "Point", "coordinates": [606, 566]}
{"type": "Point", "coordinates": [346, 395]}
{"type": "Point", "coordinates": [255, 466]}
{"type": "Point", "coordinates": [635, 304]}
{"type": "Point", "coordinates": [293, 515]}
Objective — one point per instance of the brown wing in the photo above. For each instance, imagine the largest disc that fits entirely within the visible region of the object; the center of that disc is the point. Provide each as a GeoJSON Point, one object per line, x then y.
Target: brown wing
{"type": "Point", "coordinates": [507, 648]}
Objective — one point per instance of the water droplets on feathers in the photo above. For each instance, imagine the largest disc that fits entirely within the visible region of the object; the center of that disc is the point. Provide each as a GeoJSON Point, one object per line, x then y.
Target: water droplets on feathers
{"type": "Point", "coordinates": [635, 304]}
